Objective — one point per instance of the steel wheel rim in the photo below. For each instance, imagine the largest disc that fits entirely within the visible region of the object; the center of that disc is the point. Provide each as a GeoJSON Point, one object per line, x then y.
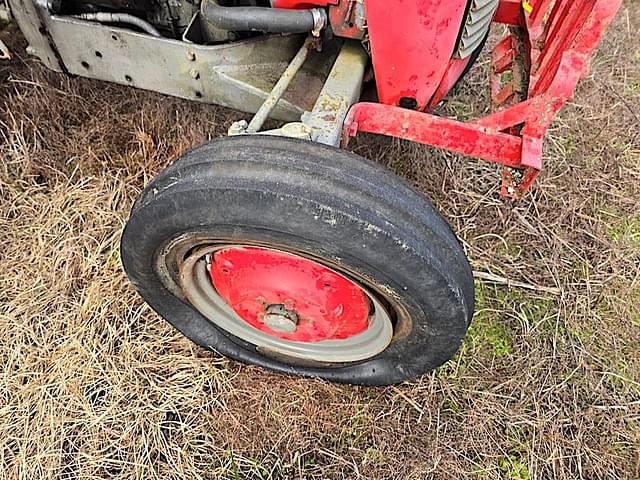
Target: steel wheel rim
{"type": "Point", "coordinates": [197, 288]}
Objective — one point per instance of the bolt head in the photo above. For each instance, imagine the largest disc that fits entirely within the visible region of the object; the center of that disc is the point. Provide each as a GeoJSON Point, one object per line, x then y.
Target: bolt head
{"type": "Point", "coordinates": [279, 323]}
{"type": "Point", "coordinates": [195, 74]}
{"type": "Point", "coordinates": [280, 319]}
{"type": "Point", "coordinates": [191, 56]}
{"type": "Point", "coordinates": [238, 128]}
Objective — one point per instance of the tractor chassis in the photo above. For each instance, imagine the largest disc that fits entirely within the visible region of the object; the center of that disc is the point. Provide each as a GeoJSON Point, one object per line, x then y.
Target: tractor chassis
{"type": "Point", "coordinates": [238, 75]}
{"type": "Point", "coordinates": [534, 72]}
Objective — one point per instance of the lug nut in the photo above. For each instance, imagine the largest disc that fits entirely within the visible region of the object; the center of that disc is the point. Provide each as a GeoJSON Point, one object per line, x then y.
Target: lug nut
{"type": "Point", "coordinates": [280, 319]}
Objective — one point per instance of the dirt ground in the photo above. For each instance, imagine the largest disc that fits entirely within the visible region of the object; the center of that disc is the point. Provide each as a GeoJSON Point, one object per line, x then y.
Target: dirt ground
{"type": "Point", "coordinates": [94, 385]}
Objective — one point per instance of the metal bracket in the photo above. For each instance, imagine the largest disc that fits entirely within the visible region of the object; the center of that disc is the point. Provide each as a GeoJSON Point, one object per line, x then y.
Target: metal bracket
{"type": "Point", "coordinates": [324, 122]}
{"type": "Point", "coordinates": [5, 13]}
{"type": "Point", "coordinates": [242, 127]}
{"type": "Point", "coordinates": [292, 130]}
{"type": "Point", "coordinates": [341, 90]}
{"type": "Point", "coordinates": [237, 74]}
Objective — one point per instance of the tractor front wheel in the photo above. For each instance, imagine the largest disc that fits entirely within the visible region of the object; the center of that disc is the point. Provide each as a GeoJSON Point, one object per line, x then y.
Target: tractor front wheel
{"type": "Point", "coordinates": [301, 258]}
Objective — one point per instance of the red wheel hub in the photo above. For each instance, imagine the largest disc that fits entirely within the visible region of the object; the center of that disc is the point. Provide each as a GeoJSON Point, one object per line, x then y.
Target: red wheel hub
{"type": "Point", "coordinates": [288, 296]}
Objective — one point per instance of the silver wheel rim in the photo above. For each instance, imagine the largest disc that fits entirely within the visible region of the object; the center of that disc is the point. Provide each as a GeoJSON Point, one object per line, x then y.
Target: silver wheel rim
{"type": "Point", "coordinates": [197, 288]}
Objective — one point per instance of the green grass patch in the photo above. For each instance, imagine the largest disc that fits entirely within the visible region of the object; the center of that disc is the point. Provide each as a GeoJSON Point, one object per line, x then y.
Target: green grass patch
{"type": "Point", "coordinates": [488, 328]}
{"type": "Point", "coordinates": [354, 432]}
{"type": "Point", "coordinates": [633, 88]}
{"type": "Point", "coordinates": [513, 468]}
{"type": "Point", "coordinates": [569, 144]}
{"type": "Point", "coordinates": [494, 335]}
{"type": "Point", "coordinates": [506, 78]}
{"type": "Point", "coordinates": [500, 312]}
{"type": "Point", "coordinates": [625, 230]}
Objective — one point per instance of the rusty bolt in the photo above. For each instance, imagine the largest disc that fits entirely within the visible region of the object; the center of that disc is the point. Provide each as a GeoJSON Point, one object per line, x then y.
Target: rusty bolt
{"type": "Point", "coordinates": [280, 319]}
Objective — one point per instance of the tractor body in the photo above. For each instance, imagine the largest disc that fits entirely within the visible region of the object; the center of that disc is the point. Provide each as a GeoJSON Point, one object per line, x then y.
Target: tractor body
{"type": "Point", "coordinates": [233, 53]}
{"type": "Point", "coordinates": [416, 50]}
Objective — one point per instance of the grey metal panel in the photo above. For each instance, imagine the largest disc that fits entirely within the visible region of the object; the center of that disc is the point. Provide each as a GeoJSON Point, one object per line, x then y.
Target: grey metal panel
{"type": "Point", "coordinates": [163, 65]}
{"type": "Point", "coordinates": [238, 75]}
{"type": "Point", "coordinates": [27, 16]}
{"type": "Point", "coordinates": [341, 91]}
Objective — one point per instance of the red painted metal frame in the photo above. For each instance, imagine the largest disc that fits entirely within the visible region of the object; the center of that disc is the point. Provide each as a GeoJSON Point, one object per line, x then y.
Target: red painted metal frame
{"type": "Point", "coordinates": [412, 43]}
{"type": "Point", "coordinates": [343, 24]}
{"type": "Point", "coordinates": [449, 79]}
{"type": "Point", "coordinates": [535, 70]}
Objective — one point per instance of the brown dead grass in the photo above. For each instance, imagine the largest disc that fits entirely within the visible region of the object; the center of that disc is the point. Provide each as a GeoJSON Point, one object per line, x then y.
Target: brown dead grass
{"type": "Point", "coordinates": [94, 385]}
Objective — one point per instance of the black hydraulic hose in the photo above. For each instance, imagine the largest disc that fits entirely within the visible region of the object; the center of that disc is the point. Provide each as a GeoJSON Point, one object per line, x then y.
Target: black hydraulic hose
{"type": "Point", "coordinates": [263, 19]}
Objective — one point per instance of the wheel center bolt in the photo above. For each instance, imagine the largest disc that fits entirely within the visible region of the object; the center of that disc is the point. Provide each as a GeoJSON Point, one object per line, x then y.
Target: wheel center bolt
{"type": "Point", "coordinates": [280, 319]}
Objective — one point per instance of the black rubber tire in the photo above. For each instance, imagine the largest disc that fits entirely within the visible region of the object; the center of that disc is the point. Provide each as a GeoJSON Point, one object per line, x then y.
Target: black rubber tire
{"type": "Point", "coordinates": [472, 61]}
{"type": "Point", "coordinates": [331, 204]}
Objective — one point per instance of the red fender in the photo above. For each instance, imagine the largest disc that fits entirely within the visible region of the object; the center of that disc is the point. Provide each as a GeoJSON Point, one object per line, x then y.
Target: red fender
{"type": "Point", "coordinates": [412, 42]}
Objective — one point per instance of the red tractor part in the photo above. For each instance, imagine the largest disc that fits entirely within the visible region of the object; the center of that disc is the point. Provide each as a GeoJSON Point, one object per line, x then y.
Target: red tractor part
{"type": "Point", "coordinates": [347, 17]}
{"type": "Point", "coordinates": [288, 296]}
{"type": "Point", "coordinates": [535, 70]}
{"type": "Point", "coordinates": [302, 4]}
{"type": "Point", "coordinates": [412, 44]}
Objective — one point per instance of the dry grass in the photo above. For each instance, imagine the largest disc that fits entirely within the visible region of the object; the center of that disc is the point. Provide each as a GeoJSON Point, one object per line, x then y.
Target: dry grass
{"type": "Point", "coordinates": [94, 385]}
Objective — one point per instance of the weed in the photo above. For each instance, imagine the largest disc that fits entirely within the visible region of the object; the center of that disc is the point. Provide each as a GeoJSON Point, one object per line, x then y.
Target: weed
{"type": "Point", "coordinates": [513, 468]}
{"type": "Point", "coordinates": [626, 229]}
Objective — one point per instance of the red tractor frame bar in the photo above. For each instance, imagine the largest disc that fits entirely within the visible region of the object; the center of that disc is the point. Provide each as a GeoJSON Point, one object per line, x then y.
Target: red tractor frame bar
{"type": "Point", "coordinates": [535, 70]}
